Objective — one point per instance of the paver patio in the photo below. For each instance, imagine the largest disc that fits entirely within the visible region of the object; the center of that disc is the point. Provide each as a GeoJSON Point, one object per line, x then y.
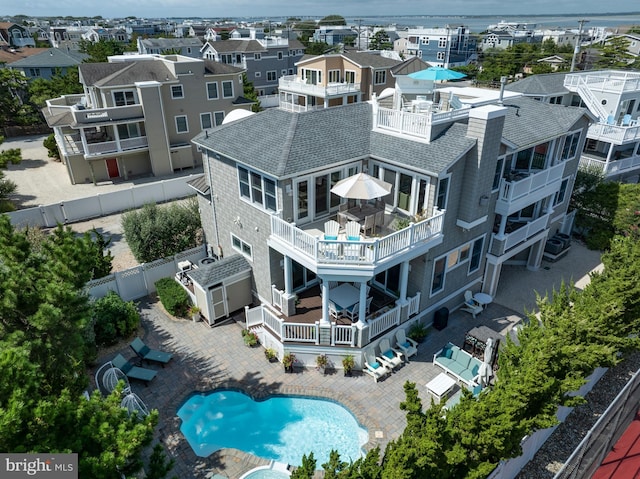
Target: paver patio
{"type": "Point", "coordinates": [207, 359]}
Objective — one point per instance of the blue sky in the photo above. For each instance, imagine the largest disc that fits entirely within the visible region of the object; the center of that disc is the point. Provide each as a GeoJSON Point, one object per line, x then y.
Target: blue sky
{"type": "Point", "coordinates": [311, 8]}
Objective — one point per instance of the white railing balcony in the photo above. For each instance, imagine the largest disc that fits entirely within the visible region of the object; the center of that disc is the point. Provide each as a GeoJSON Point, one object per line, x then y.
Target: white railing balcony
{"type": "Point", "coordinates": [513, 194]}
{"type": "Point", "coordinates": [110, 147]}
{"type": "Point", "coordinates": [384, 322]}
{"type": "Point", "coordinates": [365, 252]}
{"type": "Point", "coordinates": [102, 115]}
{"type": "Point", "coordinates": [613, 167]}
{"type": "Point", "coordinates": [415, 124]}
{"type": "Point", "coordinates": [615, 81]}
{"type": "Point", "coordinates": [618, 135]}
{"type": "Point", "coordinates": [294, 84]}
{"type": "Point", "coordinates": [289, 106]}
{"type": "Point", "coordinates": [414, 304]}
{"type": "Point", "coordinates": [501, 245]}
{"type": "Point", "coordinates": [342, 334]}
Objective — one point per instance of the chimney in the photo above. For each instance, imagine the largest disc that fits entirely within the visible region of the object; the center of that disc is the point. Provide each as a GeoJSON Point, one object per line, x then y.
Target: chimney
{"type": "Point", "coordinates": [503, 82]}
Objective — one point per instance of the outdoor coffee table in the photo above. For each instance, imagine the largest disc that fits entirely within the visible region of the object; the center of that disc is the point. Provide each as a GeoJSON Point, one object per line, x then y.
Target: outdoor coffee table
{"type": "Point", "coordinates": [441, 385]}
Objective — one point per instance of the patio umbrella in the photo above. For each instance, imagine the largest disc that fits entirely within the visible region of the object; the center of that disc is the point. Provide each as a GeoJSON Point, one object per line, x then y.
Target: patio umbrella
{"type": "Point", "coordinates": [436, 74]}
{"type": "Point", "coordinates": [485, 372]}
{"type": "Point", "coordinates": [361, 187]}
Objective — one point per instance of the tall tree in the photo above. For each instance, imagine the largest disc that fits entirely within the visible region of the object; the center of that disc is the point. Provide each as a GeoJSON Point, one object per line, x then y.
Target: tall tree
{"type": "Point", "coordinates": [100, 51]}
{"type": "Point", "coordinates": [380, 41]}
{"type": "Point", "coordinates": [41, 89]}
{"type": "Point", "coordinates": [615, 54]}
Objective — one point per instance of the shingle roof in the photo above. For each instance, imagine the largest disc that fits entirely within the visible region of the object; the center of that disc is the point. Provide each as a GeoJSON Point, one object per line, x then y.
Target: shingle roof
{"type": "Point", "coordinates": [216, 68]}
{"type": "Point", "coordinates": [237, 45]}
{"type": "Point", "coordinates": [412, 65]}
{"type": "Point", "coordinates": [50, 58]}
{"type": "Point", "coordinates": [168, 43]}
{"type": "Point", "coordinates": [213, 273]}
{"type": "Point", "coordinates": [7, 56]}
{"type": "Point", "coordinates": [287, 144]}
{"type": "Point", "coordinates": [543, 84]}
{"type": "Point", "coordinates": [199, 184]}
{"type": "Point", "coordinates": [530, 122]}
{"type": "Point", "coordinates": [371, 60]}
{"type": "Point", "coordinates": [124, 73]}
{"type": "Point", "coordinates": [432, 158]}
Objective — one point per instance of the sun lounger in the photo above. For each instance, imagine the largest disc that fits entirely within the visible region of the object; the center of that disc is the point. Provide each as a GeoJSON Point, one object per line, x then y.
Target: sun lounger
{"type": "Point", "coordinates": [133, 372]}
{"type": "Point", "coordinates": [147, 354]}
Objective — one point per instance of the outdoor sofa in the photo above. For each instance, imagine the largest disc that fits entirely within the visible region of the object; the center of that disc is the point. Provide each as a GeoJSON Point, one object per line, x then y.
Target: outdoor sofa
{"type": "Point", "coordinates": [458, 363]}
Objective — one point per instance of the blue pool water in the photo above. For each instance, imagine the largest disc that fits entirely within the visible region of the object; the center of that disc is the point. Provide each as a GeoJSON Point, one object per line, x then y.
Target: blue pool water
{"type": "Point", "coordinates": [281, 428]}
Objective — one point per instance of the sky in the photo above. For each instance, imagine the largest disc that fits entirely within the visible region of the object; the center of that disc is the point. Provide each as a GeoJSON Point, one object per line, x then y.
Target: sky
{"type": "Point", "coordinates": [310, 8]}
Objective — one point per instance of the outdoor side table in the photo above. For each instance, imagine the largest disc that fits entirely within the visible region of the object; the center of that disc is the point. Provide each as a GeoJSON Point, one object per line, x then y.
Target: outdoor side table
{"type": "Point", "coordinates": [441, 385]}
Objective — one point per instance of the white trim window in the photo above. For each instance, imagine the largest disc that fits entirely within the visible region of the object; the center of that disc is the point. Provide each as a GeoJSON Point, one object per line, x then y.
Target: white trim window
{"type": "Point", "coordinates": [205, 120]}
{"type": "Point", "coordinates": [380, 77]}
{"type": "Point", "coordinates": [227, 89]}
{"type": "Point", "coordinates": [349, 76]}
{"type": "Point", "coordinates": [272, 75]}
{"type": "Point", "coordinates": [257, 56]}
{"type": "Point", "coordinates": [497, 176]}
{"type": "Point", "coordinates": [124, 97]}
{"type": "Point", "coordinates": [562, 192]}
{"type": "Point", "coordinates": [470, 252]}
{"type": "Point", "coordinates": [242, 247]}
{"type": "Point", "coordinates": [212, 90]}
{"type": "Point", "coordinates": [279, 55]}
{"type": "Point", "coordinates": [218, 116]}
{"type": "Point", "coordinates": [177, 92]}
{"type": "Point", "coordinates": [258, 74]}
{"type": "Point", "coordinates": [257, 189]}
{"type": "Point", "coordinates": [477, 246]}
{"type": "Point", "coordinates": [442, 43]}
{"type": "Point", "coordinates": [570, 147]}
{"type": "Point", "coordinates": [334, 76]}
{"type": "Point", "coordinates": [440, 56]}
{"type": "Point", "coordinates": [182, 125]}
{"type": "Point", "coordinates": [424, 40]}
{"type": "Point", "coordinates": [443, 193]}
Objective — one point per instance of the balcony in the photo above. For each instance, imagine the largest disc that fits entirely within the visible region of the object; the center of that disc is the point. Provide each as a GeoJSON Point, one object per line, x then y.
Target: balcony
{"type": "Point", "coordinates": [311, 248]}
{"type": "Point", "coordinates": [615, 134]}
{"type": "Point", "coordinates": [294, 84]}
{"type": "Point", "coordinates": [527, 188]}
{"type": "Point", "coordinates": [614, 167]}
{"type": "Point", "coordinates": [414, 124]}
{"type": "Point", "coordinates": [106, 115]}
{"type": "Point", "coordinates": [519, 233]}
{"type": "Point", "coordinates": [604, 81]}
{"type": "Point", "coordinates": [73, 146]}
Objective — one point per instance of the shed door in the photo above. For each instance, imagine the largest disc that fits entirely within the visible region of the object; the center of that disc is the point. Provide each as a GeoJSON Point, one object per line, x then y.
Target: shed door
{"type": "Point", "coordinates": [219, 302]}
{"type": "Point", "coordinates": [112, 167]}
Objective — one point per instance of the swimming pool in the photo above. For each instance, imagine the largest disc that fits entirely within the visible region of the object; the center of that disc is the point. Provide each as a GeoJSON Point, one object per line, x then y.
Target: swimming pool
{"type": "Point", "coordinates": [282, 428]}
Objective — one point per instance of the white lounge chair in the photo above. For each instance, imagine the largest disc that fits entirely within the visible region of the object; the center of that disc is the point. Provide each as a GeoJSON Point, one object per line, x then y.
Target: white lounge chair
{"type": "Point", "coordinates": [373, 367]}
{"type": "Point", "coordinates": [391, 357]}
{"type": "Point", "coordinates": [352, 230]}
{"type": "Point", "coordinates": [331, 229]}
{"type": "Point", "coordinates": [471, 305]}
{"type": "Point", "coordinates": [407, 345]}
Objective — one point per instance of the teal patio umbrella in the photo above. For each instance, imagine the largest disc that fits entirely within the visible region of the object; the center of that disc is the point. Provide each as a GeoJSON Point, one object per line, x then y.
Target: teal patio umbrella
{"type": "Point", "coordinates": [436, 74]}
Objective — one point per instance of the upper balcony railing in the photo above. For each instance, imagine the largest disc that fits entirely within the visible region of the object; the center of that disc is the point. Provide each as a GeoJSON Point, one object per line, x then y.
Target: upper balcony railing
{"type": "Point", "coordinates": [618, 135]}
{"type": "Point", "coordinates": [501, 245]}
{"type": "Point", "coordinates": [511, 191]}
{"type": "Point", "coordinates": [102, 115]}
{"type": "Point", "coordinates": [415, 124]}
{"type": "Point", "coordinates": [614, 167]}
{"type": "Point", "coordinates": [604, 81]}
{"type": "Point", "coordinates": [295, 84]}
{"type": "Point", "coordinates": [366, 252]}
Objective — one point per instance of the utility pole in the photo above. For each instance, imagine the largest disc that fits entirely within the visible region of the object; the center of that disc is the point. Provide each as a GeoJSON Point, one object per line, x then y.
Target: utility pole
{"type": "Point", "coordinates": [578, 44]}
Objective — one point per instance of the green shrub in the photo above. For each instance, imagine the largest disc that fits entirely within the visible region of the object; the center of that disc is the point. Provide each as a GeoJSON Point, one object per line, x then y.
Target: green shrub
{"type": "Point", "coordinates": [174, 299]}
{"type": "Point", "coordinates": [52, 147]}
{"type": "Point", "coordinates": [417, 332]}
{"type": "Point", "coordinates": [114, 319]}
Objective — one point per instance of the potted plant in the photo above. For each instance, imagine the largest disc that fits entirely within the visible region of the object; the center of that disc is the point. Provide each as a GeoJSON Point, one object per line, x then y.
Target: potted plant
{"type": "Point", "coordinates": [348, 364]}
{"type": "Point", "coordinates": [194, 312]}
{"type": "Point", "coordinates": [417, 332]}
{"type": "Point", "coordinates": [288, 360]}
{"type": "Point", "coordinates": [270, 354]}
{"type": "Point", "coordinates": [250, 338]}
{"type": "Point", "coordinates": [322, 361]}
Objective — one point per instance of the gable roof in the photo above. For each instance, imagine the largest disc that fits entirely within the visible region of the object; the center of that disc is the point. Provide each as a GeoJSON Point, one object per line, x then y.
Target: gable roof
{"type": "Point", "coordinates": [236, 45]}
{"type": "Point", "coordinates": [530, 122]}
{"type": "Point", "coordinates": [50, 58]}
{"type": "Point", "coordinates": [168, 43]}
{"type": "Point", "coordinates": [8, 56]}
{"type": "Point", "coordinates": [371, 60]}
{"type": "Point", "coordinates": [412, 65]}
{"type": "Point", "coordinates": [542, 84]}
{"type": "Point", "coordinates": [124, 73]}
{"type": "Point", "coordinates": [208, 274]}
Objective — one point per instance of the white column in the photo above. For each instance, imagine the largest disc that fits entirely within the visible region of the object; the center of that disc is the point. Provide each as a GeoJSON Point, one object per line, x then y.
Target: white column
{"type": "Point", "coordinates": [404, 281]}
{"type": "Point", "coordinates": [502, 227]}
{"type": "Point", "coordinates": [324, 290]}
{"type": "Point", "coordinates": [362, 311]}
{"type": "Point", "coordinates": [287, 275]}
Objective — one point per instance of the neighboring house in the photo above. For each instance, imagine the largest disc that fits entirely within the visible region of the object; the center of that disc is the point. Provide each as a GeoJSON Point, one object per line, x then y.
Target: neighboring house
{"type": "Point", "coordinates": [634, 42]}
{"type": "Point", "coordinates": [47, 63]}
{"type": "Point", "coordinates": [16, 36]}
{"type": "Point", "coordinates": [96, 34]}
{"type": "Point", "coordinates": [334, 34]}
{"type": "Point", "coordinates": [336, 79]}
{"type": "Point", "coordinates": [554, 61]}
{"type": "Point", "coordinates": [67, 38]}
{"type": "Point", "coordinates": [139, 113]}
{"type": "Point", "coordinates": [188, 47]}
{"type": "Point", "coordinates": [445, 47]}
{"type": "Point", "coordinates": [472, 189]}
{"type": "Point", "coordinates": [561, 37]}
{"type": "Point", "coordinates": [264, 59]}
{"type": "Point", "coordinates": [9, 55]}
{"type": "Point", "coordinates": [502, 39]}
{"type": "Point", "coordinates": [613, 140]}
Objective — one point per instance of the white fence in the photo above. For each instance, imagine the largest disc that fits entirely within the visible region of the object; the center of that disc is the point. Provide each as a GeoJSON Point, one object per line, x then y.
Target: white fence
{"type": "Point", "coordinates": [103, 204]}
{"type": "Point", "coordinates": [138, 282]}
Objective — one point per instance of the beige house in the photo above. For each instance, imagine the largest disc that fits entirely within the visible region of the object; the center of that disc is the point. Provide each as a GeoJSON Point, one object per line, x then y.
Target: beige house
{"type": "Point", "coordinates": [138, 114]}
{"type": "Point", "coordinates": [336, 79]}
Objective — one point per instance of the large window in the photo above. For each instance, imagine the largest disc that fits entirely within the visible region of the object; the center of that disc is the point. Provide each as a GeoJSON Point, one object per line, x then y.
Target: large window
{"type": "Point", "coordinates": [470, 252]}
{"type": "Point", "coordinates": [257, 189]}
{"type": "Point", "coordinates": [219, 117]}
{"type": "Point", "coordinates": [476, 255]}
{"type": "Point", "coordinates": [241, 247]}
{"type": "Point", "coordinates": [443, 191]}
{"type": "Point", "coordinates": [272, 76]}
{"type": "Point", "coordinates": [350, 76]}
{"type": "Point", "coordinates": [212, 90]}
{"type": "Point", "coordinates": [498, 174]}
{"type": "Point", "coordinates": [182, 126]}
{"type": "Point", "coordinates": [532, 158]}
{"type": "Point", "coordinates": [334, 76]}
{"type": "Point", "coordinates": [128, 130]}
{"type": "Point", "coordinates": [380, 77]}
{"type": "Point", "coordinates": [227, 89]}
{"type": "Point", "coordinates": [437, 283]}
{"type": "Point", "coordinates": [560, 195]}
{"type": "Point", "coordinates": [177, 91]}
{"type": "Point", "coordinates": [409, 191]}
{"type": "Point", "coordinates": [124, 98]}
{"type": "Point", "coordinates": [570, 146]}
